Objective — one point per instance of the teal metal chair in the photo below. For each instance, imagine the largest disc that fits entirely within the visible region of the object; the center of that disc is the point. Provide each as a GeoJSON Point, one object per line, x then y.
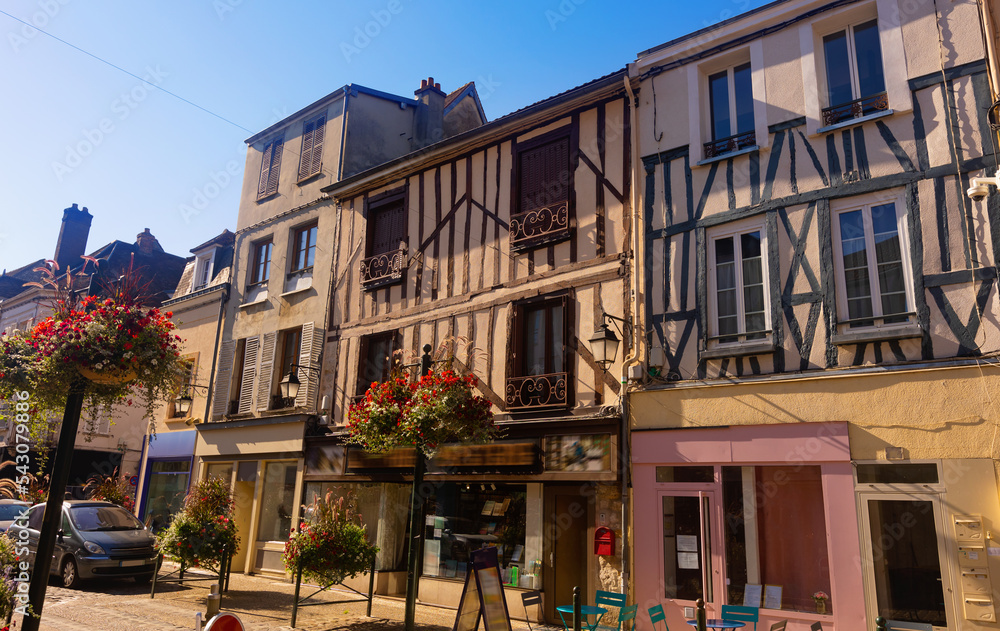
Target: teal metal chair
{"type": "Point", "coordinates": [625, 614]}
{"type": "Point", "coordinates": [741, 613]}
{"type": "Point", "coordinates": [611, 599]}
{"type": "Point", "coordinates": [656, 615]}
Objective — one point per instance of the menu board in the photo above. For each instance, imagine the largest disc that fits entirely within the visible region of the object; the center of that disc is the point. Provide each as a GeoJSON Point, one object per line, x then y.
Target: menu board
{"type": "Point", "coordinates": [483, 583]}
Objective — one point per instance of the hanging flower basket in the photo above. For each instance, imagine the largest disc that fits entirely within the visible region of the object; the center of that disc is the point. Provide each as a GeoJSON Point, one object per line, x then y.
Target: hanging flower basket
{"type": "Point", "coordinates": [440, 408]}
{"type": "Point", "coordinates": [107, 377]}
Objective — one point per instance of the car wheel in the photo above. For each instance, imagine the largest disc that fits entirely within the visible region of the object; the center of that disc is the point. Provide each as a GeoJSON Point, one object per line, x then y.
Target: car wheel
{"type": "Point", "coordinates": [70, 575]}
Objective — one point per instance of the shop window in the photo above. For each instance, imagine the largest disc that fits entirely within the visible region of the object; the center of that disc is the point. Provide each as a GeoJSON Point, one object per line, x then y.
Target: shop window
{"type": "Point", "coordinates": [270, 167]}
{"type": "Point", "coordinates": [578, 453]}
{"type": "Point", "coordinates": [855, 79]}
{"type": "Point", "coordinates": [544, 183]}
{"type": "Point", "coordinates": [775, 533]}
{"type": "Point", "coordinates": [462, 518]}
{"type": "Point", "coordinates": [165, 491]}
{"type": "Point", "coordinates": [363, 499]}
{"type": "Point", "coordinates": [377, 359]}
{"type": "Point", "coordinates": [902, 473]}
{"type": "Point", "coordinates": [277, 501]}
{"type": "Point", "coordinates": [537, 371]}
{"type": "Point", "coordinates": [385, 249]}
{"type": "Point", "coordinates": [221, 470]}
{"type": "Point", "coordinates": [872, 266]}
{"type": "Point", "coordinates": [730, 101]}
{"type": "Point", "coordinates": [738, 296]}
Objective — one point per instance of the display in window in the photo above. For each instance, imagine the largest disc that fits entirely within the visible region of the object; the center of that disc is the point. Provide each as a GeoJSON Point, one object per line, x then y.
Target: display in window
{"type": "Point", "coordinates": [578, 453]}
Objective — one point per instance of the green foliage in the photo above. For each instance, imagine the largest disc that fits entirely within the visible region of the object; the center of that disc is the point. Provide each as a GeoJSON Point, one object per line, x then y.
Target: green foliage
{"type": "Point", "coordinates": [8, 570]}
{"type": "Point", "coordinates": [203, 532]}
{"type": "Point", "coordinates": [331, 546]}
{"type": "Point", "coordinates": [111, 488]}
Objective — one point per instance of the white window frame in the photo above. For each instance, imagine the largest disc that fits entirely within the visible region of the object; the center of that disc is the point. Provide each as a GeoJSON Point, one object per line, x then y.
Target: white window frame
{"type": "Point", "coordinates": [203, 266]}
{"type": "Point", "coordinates": [734, 230]}
{"type": "Point", "coordinates": [852, 60]}
{"type": "Point", "coordinates": [731, 88]}
{"type": "Point", "coordinates": [865, 204]}
{"type": "Point", "coordinates": [814, 81]}
{"type": "Point", "coordinates": [699, 104]}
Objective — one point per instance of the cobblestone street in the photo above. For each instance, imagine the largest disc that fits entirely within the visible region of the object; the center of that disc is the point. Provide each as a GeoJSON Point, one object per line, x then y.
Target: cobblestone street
{"type": "Point", "coordinates": [263, 604]}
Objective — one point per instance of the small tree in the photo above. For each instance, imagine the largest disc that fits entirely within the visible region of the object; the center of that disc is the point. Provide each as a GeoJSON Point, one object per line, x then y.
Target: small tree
{"type": "Point", "coordinates": [203, 533]}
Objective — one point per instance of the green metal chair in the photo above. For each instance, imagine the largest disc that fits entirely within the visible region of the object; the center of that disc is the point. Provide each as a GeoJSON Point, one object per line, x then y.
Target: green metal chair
{"type": "Point", "coordinates": [656, 614]}
{"type": "Point", "coordinates": [741, 613]}
{"type": "Point", "coordinates": [624, 615]}
{"type": "Point", "coordinates": [611, 599]}
{"type": "Point", "coordinates": [534, 597]}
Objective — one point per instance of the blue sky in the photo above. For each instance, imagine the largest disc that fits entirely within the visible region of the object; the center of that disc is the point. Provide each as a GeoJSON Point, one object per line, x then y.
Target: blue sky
{"type": "Point", "coordinates": [78, 130]}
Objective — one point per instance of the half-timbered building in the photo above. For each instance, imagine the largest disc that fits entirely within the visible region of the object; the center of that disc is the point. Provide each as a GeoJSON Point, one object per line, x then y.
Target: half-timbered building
{"type": "Point", "coordinates": [819, 295]}
{"type": "Point", "coordinates": [504, 247]}
{"type": "Point", "coordinates": [265, 391]}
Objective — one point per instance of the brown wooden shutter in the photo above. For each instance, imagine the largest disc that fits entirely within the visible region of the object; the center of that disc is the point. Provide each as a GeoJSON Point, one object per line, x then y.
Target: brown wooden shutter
{"type": "Point", "coordinates": [265, 168]}
{"type": "Point", "coordinates": [249, 374]}
{"type": "Point", "coordinates": [317, 150]}
{"type": "Point", "coordinates": [389, 228]}
{"type": "Point", "coordinates": [220, 402]}
{"type": "Point", "coordinates": [266, 371]}
{"type": "Point", "coordinates": [544, 175]}
{"type": "Point", "coordinates": [309, 350]}
{"type": "Point", "coordinates": [270, 167]}
{"type": "Point", "coordinates": [311, 158]}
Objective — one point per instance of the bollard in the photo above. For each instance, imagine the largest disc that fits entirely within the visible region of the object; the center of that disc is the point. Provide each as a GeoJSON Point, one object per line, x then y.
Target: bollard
{"type": "Point", "coordinates": [214, 602]}
{"type": "Point", "coordinates": [880, 624]}
{"type": "Point", "coordinates": [197, 621]}
{"type": "Point", "coordinates": [576, 608]}
{"type": "Point", "coordinates": [699, 615]}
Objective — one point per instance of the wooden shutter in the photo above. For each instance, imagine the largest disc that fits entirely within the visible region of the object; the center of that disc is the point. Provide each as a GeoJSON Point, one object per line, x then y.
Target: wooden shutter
{"type": "Point", "coordinates": [220, 403]}
{"type": "Point", "coordinates": [309, 349]}
{"type": "Point", "coordinates": [249, 374]}
{"type": "Point", "coordinates": [310, 159]}
{"type": "Point", "coordinates": [270, 167]}
{"type": "Point", "coordinates": [544, 175]}
{"type": "Point", "coordinates": [266, 371]}
{"type": "Point", "coordinates": [389, 228]}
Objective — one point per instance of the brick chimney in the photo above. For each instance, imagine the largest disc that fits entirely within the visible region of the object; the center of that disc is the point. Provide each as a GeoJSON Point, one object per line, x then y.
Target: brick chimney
{"type": "Point", "coordinates": [429, 120]}
{"type": "Point", "coordinates": [73, 234]}
{"type": "Point", "coordinates": [147, 243]}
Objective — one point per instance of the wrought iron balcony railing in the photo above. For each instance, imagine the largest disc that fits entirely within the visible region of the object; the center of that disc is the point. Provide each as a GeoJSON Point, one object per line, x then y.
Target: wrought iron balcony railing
{"type": "Point", "coordinates": [730, 144]}
{"type": "Point", "coordinates": [383, 268]}
{"type": "Point", "coordinates": [537, 392]}
{"type": "Point", "coordinates": [539, 225]}
{"type": "Point", "coordinates": [856, 109]}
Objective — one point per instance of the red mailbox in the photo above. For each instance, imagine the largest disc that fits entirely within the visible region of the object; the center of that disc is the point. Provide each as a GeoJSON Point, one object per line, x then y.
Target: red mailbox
{"type": "Point", "coordinates": [604, 541]}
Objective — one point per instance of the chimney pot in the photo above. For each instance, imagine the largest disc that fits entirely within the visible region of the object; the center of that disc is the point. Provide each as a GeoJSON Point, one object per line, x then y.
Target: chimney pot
{"type": "Point", "coordinates": [423, 83]}
{"type": "Point", "coordinates": [430, 80]}
{"type": "Point", "coordinates": [72, 242]}
{"type": "Point", "coordinates": [437, 86]}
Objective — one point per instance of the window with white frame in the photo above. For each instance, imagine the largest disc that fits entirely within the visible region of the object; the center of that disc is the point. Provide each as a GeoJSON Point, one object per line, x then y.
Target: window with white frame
{"type": "Point", "coordinates": [855, 78]}
{"type": "Point", "coordinates": [730, 100]}
{"type": "Point", "coordinates": [203, 270]}
{"type": "Point", "coordinates": [737, 284]}
{"type": "Point", "coordinates": [874, 285]}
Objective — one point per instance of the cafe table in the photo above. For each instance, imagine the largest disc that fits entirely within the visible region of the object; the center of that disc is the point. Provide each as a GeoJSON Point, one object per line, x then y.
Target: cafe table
{"type": "Point", "coordinates": [718, 623]}
{"type": "Point", "coordinates": [586, 611]}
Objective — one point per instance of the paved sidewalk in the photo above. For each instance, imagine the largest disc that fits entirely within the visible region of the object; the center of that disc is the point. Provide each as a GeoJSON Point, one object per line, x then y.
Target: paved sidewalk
{"type": "Point", "coordinates": [262, 603]}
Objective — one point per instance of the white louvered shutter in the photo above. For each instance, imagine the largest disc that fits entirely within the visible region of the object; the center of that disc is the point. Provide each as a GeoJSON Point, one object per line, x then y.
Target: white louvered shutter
{"type": "Point", "coordinates": [266, 371]}
{"type": "Point", "coordinates": [249, 374]}
{"type": "Point", "coordinates": [309, 350]}
{"type": "Point", "coordinates": [223, 378]}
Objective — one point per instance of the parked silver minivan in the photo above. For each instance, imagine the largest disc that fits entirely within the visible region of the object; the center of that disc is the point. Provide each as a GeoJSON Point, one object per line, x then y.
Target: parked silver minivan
{"type": "Point", "coordinates": [97, 539]}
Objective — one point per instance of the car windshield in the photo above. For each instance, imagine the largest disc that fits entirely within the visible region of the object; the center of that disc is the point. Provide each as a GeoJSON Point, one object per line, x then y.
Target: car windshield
{"type": "Point", "coordinates": [10, 512]}
{"type": "Point", "coordinates": [92, 518]}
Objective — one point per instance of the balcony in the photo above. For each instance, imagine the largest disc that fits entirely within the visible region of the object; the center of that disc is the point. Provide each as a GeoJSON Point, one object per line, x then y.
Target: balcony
{"type": "Point", "coordinates": [856, 109]}
{"type": "Point", "coordinates": [722, 146]}
{"type": "Point", "coordinates": [541, 225]}
{"type": "Point", "coordinates": [383, 269]}
{"type": "Point", "coordinates": [537, 392]}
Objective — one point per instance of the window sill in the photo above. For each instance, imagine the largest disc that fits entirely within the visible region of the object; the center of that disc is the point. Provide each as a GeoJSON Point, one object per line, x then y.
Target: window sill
{"type": "Point", "coordinates": [309, 178]}
{"type": "Point", "coordinates": [726, 156]}
{"type": "Point", "coordinates": [247, 305]}
{"type": "Point", "coordinates": [854, 121]}
{"type": "Point", "coordinates": [738, 350]}
{"type": "Point", "coordinates": [878, 334]}
{"type": "Point", "coordinates": [265, 198]}
{"type": "Point", "coordinates": [292, 292]}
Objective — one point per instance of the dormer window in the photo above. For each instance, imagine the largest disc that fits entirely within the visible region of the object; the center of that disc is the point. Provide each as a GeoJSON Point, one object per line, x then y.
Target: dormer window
{"type": "Point", "coordinates": [203, 266]}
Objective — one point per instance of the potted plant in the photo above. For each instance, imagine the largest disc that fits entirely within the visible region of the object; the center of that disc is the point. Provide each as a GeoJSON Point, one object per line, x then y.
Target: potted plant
{"type": "Point", "coordinates": [111, 488]}
{"type": "Point", "coordinates": [820, 598]}
{"type": "Point", "coordinates": [203, 534]}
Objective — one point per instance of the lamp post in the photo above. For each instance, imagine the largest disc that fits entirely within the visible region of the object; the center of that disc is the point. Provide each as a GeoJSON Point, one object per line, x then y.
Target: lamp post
{"type": "Point", "coordinates": [416, 517]}
{"type": "Point", "coordinates": [289, 384]}
{"type": "Point", "coordinates": [604, 343]}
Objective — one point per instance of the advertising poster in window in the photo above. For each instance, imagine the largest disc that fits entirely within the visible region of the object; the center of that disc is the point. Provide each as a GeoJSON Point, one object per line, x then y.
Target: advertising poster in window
{"type": "Point", "coordinates": [578, 453]}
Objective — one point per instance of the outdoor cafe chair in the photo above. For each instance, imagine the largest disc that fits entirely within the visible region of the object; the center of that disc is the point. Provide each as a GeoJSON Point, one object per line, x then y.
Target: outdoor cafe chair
{"type": "Point", "coordinates": [741, 613]}
{"type": "Point", "coordinates": [656, 614]}
{"type": "Point", "coordinates": [816, 626]}
{"type": "Point", "coordinates": [779, 626]}
{"type": "Point", "coordinates": [534, 597]}
{"type": "Point", "coordinates": [624, 614]}
{"type": "Point", "coordinates": [614, 599]}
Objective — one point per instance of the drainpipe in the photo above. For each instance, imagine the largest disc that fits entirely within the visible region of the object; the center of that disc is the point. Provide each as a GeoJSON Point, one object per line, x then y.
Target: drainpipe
{"type": "Point", "coordinates": [638, 336]}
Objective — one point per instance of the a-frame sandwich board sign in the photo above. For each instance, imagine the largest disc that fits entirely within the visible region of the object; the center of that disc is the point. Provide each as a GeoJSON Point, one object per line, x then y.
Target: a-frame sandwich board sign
{"type": "Point", "coordinates": [483, 596]}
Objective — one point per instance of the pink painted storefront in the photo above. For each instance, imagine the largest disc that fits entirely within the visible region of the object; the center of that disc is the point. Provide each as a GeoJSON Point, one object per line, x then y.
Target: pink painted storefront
{"type": "Point", "coordinates": [764, 505]}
